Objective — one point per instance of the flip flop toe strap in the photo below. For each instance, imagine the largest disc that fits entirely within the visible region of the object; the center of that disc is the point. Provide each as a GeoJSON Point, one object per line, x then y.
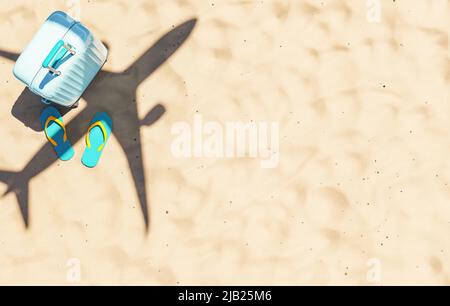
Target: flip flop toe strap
{"type": "Point", "coordinates": [102, 127]}
{"type": "Point", "coordinates": [59, 122]}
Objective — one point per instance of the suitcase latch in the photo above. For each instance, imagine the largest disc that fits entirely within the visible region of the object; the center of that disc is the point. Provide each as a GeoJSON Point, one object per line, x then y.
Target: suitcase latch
{"type": "Point", "coordinates": [58, 52]}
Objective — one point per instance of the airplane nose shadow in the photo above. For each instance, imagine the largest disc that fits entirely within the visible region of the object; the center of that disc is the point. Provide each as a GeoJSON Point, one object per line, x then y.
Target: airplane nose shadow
{"type": "Point", "coordinates": [154, 115]}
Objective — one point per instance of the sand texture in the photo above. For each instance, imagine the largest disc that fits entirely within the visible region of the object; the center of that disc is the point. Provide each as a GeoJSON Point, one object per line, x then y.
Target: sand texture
{"type": "Point", "coordinates": [361, 193]}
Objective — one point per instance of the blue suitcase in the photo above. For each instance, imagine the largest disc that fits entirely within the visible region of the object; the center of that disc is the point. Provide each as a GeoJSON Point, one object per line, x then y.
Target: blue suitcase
{"type": "Point", "coordinates": [61, 60]}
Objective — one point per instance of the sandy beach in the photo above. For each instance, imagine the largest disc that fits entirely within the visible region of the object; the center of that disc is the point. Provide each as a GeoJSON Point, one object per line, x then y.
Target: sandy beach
{"type": "Point", "coordinates": [360, 194]}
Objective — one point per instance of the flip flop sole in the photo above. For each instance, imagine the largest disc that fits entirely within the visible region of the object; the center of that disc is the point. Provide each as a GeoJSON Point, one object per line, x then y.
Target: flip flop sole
{"type": "Point", "coordinates": [92, 155]}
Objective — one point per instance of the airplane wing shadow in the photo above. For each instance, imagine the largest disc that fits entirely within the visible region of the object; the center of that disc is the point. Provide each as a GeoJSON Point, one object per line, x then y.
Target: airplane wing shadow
{"type": "Point", "coordinates": [102, 95]}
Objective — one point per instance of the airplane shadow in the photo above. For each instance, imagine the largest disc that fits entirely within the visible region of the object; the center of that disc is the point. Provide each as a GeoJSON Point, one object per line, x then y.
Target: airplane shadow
{"type": "Point", "coordinates": [114, 93]}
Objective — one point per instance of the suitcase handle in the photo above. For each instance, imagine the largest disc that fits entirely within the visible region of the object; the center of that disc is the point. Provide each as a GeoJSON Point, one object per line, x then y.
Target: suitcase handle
{"type": "Point", "coordinates": [58, 52]}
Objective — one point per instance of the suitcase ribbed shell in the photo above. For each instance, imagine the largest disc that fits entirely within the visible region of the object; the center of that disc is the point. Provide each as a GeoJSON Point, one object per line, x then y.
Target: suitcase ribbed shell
{"type": "Point", "coordinates": [77, 71]}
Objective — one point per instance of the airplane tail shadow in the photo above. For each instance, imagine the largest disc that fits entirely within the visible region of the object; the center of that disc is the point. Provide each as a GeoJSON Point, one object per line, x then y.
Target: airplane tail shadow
{"type": "Point", "coordinates": [19, 186]}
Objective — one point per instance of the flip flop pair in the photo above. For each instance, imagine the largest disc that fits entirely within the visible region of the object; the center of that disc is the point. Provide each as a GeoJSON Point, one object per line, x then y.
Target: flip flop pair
{"type": "Point", "coordinates": [97, 136]}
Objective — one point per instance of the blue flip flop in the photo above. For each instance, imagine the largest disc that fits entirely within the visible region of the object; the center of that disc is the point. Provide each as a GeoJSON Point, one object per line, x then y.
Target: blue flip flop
{"type": "Point", "coordinates": [97, 135]}
{"type": "Point", "coordinates": [55, 131]}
